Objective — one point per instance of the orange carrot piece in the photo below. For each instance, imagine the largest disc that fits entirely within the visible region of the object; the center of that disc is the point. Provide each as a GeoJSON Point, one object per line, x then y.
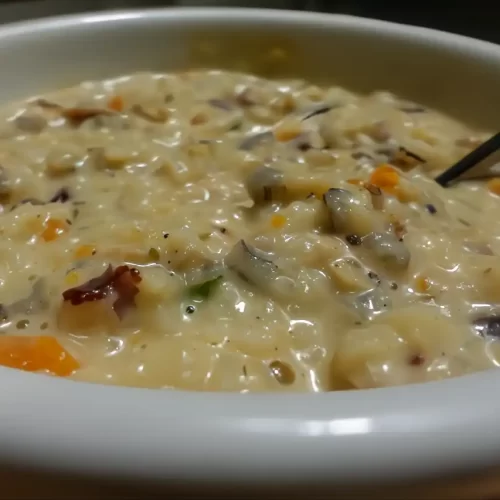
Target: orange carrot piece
{"type": "Point", "coordinates": [34, 354]}
{"type": "Point", "coordinates": [422, 284]}
{"type": "Point", "coordinates": [494, 186]}
{"type": "Point", "coordinates": [385, 177]}
{"type": "Point", "coordinates": [116, 103]}
{"type": "Point", "coordinates": [278, 221]}
{"type": "Point", "coordinates": [53, 229]}
{"type": "Point", "coordinates": [356, 182]}
{"type": "Point", "coordinates": [84, 251]}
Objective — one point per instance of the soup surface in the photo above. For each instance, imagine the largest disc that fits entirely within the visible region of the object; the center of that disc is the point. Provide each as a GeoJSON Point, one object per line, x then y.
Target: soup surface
{"type": "Point", "coordinates": [217, 231]}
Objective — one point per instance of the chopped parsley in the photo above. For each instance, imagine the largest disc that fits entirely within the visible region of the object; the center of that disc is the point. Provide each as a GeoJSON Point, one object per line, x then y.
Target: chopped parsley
{"type": "Point", "coordinates": [204, 290]}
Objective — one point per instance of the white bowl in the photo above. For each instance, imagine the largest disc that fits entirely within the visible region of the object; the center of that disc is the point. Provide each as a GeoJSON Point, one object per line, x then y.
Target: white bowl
{"type": "Point", "coordinates": [360, 437]}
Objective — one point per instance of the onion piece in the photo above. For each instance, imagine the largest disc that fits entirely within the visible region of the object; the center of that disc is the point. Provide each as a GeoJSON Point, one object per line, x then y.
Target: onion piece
{"type": "Point", "coordinates": [376, 196]}
{"type": "Point", "coordinates": [321, 109]}
{"type": "Point", "coordinates": [370, 303]}
{"type": "Point", "coordinates": [339, 203]}
{"type": "Point", "coordinates": [477, 248]}
{"type": "Point", "coordinates": [223, 104]}
{"type": "Point", "coordinates": [35, 302]}
{"type": "Point", "coordinates": [258, 268]}
{"type": "Point", "coordinates": [265, 184]}
{"type": "Point", "coordinates": [388, 248]}
{"type": "Point", "coordinates": [30, 123]}
{"type": "Point", "coordinates": [46, 104]}
{"type": "Point", "coordinates": [5, 187]}
{"type": "Point", "coordinates": [158, 115]}
{"type": "Point", "coordinates": [252, 141]}
{"type": "Point", "coordinates": [76, 116]}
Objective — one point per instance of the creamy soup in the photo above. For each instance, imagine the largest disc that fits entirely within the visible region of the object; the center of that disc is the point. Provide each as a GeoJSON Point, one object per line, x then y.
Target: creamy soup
{"type": "Point", "coordinates": [218, 231]}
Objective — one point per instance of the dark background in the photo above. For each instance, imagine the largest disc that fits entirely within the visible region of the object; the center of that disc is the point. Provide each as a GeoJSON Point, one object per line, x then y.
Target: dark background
{"type": "Point", "coordinates": [474, 18]}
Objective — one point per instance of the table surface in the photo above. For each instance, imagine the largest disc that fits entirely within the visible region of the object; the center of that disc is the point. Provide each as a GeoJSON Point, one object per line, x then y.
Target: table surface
{"type": "Point", "coordinates": [17, 485]}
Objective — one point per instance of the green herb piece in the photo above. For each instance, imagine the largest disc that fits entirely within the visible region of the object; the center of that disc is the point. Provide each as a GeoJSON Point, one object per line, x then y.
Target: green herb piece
{"type": "Point", "coordinates": [204, 290]}
{"type": "Point", "coordinates": [204, 236]}
{"type": "Point", "coordinates": [153, 254]}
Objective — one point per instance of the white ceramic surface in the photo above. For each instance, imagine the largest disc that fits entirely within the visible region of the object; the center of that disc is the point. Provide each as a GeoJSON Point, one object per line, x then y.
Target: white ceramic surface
{"type": "Point", "coordinates": [363, 436]}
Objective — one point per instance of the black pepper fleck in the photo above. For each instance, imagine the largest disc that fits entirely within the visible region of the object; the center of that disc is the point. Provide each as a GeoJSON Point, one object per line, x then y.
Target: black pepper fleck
{"type": "Point", "coordinates": [394, 286]}
{"type": "Point", "coordinates": [431, 208]}
{"type": "Point", "coordinates": [166, 235]}
{"type": "Point", "coordinates": [223, 230]}
{"type": "Point", "coordinates": [22, 324]}
{"type": "Point", "coordinates": [375, 277]}
{"type": "Point", "coordinates": [353, 239]}
{"type": "Point", "coordinates": [44, 326]}
{"type": "Point", "coordinates": [282, 372]}
{"type": "Point", "coordinates": [190, 309]}
{"type": "Point", "coordinates": [416, 360]}
{"type": "Point", "coordinates": [245, 370]}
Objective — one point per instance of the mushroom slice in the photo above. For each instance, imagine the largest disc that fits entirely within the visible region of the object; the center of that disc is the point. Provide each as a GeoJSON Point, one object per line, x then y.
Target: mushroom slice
{"type": "Point", "coordinates": [389, 249]}
{"type": "Point", "coordinates": [347, 213]}
{"type": "Point", "coordinates": [266, 184]}
{"type": "Point", "coordinates": [251, 264]}
{"type": "Point", "coordinates": [258, 268]}
{"type": "Point", "coordinates": [487, 326]}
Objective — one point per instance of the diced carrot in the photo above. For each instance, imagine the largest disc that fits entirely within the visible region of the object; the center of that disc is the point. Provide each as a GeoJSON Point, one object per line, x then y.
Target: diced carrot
{"type": "Point", "coordinates": [494, 186]}
{"type": "Point", "coordinates": [285, 134]}
{"type": "Point", "coordinates": [356, 182]}
{"type": "Point", "coordinates": [422, 284]}
{"type": "Point", "coordinates": [278, 221]}
{"type": "Point", "coordinates": [84, 251]}
{"type": "Point", "coordinates": [34, 354]}
{"type": "Point", "coordinates": [385, 177]}
{"type": "Point", "coordinates": [53, 229]}
{"type": "Point", "coordinates": [199, 119]}
{"type": "Point", "coordinates": [116, 103]}
{"type": "Point", "coordinates": [72, 278]}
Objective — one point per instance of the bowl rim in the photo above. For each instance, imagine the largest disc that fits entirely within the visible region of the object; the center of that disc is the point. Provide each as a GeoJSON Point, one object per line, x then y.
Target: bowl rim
{"type": "Point", "coordinates": [380, 434]}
